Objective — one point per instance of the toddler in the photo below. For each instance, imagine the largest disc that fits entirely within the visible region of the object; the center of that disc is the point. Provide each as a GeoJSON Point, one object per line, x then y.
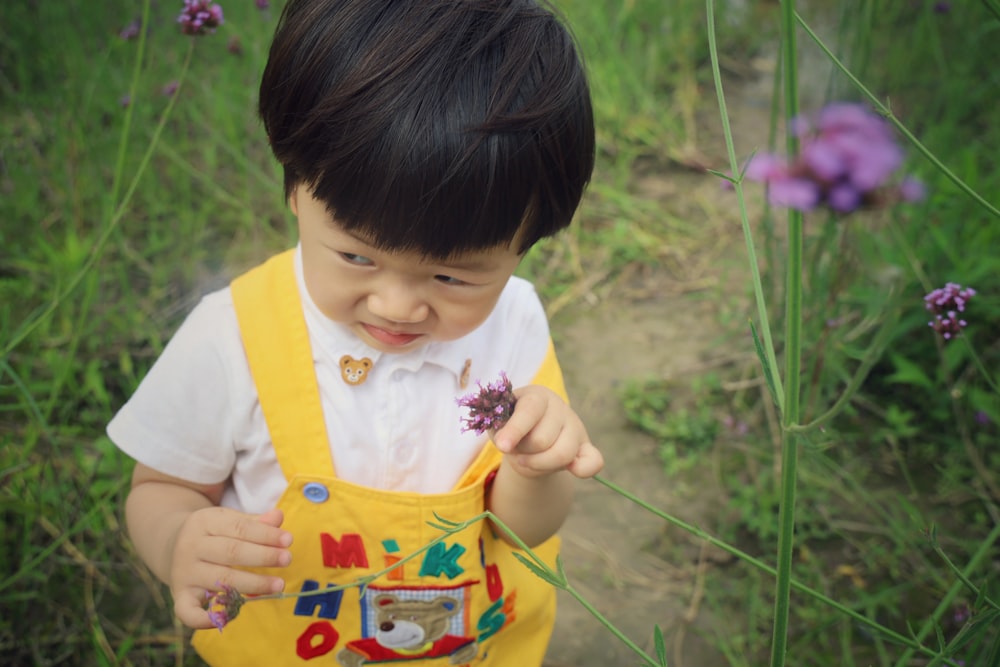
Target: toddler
{"type": "Point", "coordinates": [301, 429]}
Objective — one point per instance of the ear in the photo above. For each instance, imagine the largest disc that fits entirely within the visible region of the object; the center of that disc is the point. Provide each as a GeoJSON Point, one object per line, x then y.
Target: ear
{"type": "Point", "coordinates": [447, 604]}
{"type": "Point", "coordinates": [293, 200]}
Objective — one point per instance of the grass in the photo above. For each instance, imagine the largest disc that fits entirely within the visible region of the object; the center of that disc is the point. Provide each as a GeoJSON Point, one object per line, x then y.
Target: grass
{"type": "Point", "coordinates": [92, 286]}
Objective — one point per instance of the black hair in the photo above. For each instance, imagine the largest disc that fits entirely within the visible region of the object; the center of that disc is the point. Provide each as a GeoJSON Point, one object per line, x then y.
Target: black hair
{"type": "Point", "coordinates": [436, 126]}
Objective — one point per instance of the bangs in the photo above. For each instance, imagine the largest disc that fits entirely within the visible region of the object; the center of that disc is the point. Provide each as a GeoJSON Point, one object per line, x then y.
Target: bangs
{"type": "Point", "coordinates": [436, 127]}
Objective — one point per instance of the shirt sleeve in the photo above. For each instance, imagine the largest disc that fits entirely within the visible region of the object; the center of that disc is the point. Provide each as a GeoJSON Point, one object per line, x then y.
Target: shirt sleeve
{"type": "Point", "coordinates": [533, 359]}
{"type": "Point", "coordinates": [179, 420]}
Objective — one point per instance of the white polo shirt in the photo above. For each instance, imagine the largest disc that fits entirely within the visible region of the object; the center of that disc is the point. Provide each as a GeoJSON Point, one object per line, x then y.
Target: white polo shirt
{"type": "Point", "coordinates": [196, 414]}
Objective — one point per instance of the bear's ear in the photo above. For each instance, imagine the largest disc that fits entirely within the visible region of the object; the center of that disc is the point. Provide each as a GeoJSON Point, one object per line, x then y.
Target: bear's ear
{"type": "Point", "coordinates": [366, 362]}
{"type": "Point", "coordinates": [384, 600]}
{"type": "Point", "coordinates": [345, 361]}
{"type": "Point", "coordinates": [446, 603]}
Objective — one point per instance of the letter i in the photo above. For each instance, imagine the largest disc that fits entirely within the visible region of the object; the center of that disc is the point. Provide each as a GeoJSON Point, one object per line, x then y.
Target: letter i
{"type": "Point", "coordinates": [392, 547]}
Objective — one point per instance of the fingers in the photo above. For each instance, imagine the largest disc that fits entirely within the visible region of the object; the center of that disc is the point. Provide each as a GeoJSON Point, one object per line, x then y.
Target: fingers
{"type": "Point", "coordinates": [545, 435]}
{"type": "Point", "coordinates": [539, 418]}
{"type": "Point", "coordinates": [212, 546]}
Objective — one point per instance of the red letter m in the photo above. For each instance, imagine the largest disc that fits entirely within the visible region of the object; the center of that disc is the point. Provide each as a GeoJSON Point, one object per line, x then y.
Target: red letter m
{"type": "Point", "coordinates": [348, 552]}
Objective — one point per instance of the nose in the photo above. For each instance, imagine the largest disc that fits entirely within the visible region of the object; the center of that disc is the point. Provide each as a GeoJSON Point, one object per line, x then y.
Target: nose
{"type": "Point", "coordinates": [395, 300]}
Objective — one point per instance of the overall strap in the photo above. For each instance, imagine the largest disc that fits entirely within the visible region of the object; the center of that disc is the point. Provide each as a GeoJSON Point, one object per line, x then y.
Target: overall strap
{"type": "Point", "coordinates": [548, 375]}
{"type": "Point", "coordinates": [273, 329]}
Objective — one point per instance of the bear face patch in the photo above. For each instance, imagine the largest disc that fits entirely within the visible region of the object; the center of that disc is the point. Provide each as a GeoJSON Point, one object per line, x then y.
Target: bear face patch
{"type": "Point", "coordinates": [355, 371]}
{"type": "Point", "coordinates": [410, 629]}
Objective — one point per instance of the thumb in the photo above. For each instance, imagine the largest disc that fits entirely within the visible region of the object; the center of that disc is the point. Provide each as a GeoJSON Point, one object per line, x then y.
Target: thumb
{"type": "Point", "coordinates": [588, 462]}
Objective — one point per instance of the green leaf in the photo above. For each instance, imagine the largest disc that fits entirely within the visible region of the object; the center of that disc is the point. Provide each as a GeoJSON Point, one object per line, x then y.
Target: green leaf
{"type": "Point", "coordinates": [544, 574]}
{"type": "Point", "coordinates": [908, 372]}
{"type": "Point", "coordinates": [975, 627]}
{"type": "Point", "coordinates": [661, 648]}
{"type": "Point", "coordinates": [768, 371]}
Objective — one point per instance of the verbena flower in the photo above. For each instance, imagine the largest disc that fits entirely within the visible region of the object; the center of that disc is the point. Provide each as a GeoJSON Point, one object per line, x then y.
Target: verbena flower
{"type": "Point", "coordinates": [946, 303]}
{"type": "Point", "coordinates": [490, 407]}
{"type": "Point", "coordinates": [169, 88]}
{"type": "Point", "coordinates": [223, 605]}
{"type": "Point", "coordinates": [200, 17]}
{"type": "Point", "coordinates": [846, 158]}
{"type": "Point", "coordinates": [131, 31]}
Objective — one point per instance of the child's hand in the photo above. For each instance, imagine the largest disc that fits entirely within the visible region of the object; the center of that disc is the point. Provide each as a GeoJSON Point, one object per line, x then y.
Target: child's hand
{"type": "Point", "coordinates": [211, 546]}
{"type": "Point", "coordinates": [545, 435]}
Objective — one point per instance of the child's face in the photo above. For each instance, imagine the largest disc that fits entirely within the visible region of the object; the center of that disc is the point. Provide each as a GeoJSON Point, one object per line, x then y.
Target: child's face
{"type": "Point", "coordinates": [395, 301]}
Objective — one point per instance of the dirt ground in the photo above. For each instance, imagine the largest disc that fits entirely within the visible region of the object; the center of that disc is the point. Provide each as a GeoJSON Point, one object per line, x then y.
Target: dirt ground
{"type": "Point", "coordinates": [608, 542]}
{"type": "Point", "coordinates": [663, 323]}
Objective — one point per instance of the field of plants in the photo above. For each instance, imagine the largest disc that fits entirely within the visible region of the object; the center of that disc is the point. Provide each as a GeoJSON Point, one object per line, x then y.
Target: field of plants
{"type": "Point", "coordinates": [857, 455]}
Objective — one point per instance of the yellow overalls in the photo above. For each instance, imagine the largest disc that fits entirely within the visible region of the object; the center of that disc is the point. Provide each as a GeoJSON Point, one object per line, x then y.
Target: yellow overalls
{"type": "Point", "coordinates": [466, 601]}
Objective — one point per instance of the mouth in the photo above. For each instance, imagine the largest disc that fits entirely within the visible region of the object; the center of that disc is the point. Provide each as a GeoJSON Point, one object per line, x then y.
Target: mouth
{"type": "Point", "coordinates": [390, 338]}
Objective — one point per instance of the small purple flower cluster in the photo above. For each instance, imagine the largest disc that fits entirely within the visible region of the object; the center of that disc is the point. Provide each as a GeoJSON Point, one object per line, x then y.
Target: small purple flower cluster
{"type": "Point", "coordinates": [490, 407]}
{"type": "Point", "coordinates": [200, 17]}
{"type": "Point", "coordinates": [223, 605]}
{"type": "Point", "coordinates": [844, 162]}
{"type": "Point", "coordinates": [946, 303]}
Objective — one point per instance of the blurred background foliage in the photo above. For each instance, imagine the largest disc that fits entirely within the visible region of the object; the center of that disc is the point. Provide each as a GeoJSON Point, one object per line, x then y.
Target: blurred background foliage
{"type": "Point", "coordinates": [91, 290]}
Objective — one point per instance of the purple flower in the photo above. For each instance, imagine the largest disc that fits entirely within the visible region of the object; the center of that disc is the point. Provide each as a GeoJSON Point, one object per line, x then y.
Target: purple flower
{"type": "Point", "coordinates": [942, 7]}
{"type": "Point", "coordinates": [490, 407]}
{"type": "Point", "coordinates": [170, 88]}
{"type": "Point", "coordinates": [911, 189]}
{"type": "Point", "coordinates": [946, 303]}
{"type": "Point", "coordinates": [200, 17]}
{"type": "Point", "coordinates": [223, 605]}
{"type": "Point", "coordinates": [844, 198]}
{"type": "Point", "coordinates": [961, 613]}
{"type": "Point", "coordinates": [262, 4]}
{"type": "Point", "coordinates": [846, 159]}
{"type": "Point", "coordinates": [125, 101]}
{"type": "Point", "coordinates": [131, 31]}
{"type": "Point", "coordinates": [798, 193]}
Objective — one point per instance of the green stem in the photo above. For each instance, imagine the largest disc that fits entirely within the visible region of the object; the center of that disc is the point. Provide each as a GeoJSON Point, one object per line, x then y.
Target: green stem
{"type": "Point", "coordinates": [758, 290]}
{"type": "Point", "coordinates": [885, 111]}
{"type": "Point", "coordinates": [793, 352]}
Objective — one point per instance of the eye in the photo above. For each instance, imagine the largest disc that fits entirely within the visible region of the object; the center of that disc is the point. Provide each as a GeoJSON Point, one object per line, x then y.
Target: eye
{"type": "Point", "coordinates": [359, 260]}
{"type": "Point", "coordinates": [448, 280]}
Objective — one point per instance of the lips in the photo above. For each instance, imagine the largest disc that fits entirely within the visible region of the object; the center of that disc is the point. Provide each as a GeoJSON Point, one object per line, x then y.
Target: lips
{"type": "Point", "coordinates": [390, 338]}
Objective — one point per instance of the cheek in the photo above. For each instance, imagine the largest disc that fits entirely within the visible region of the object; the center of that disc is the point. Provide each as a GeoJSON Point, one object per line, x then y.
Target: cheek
{"type": "Point", "coordinates": [333, 295]}
{"type": "Point", "coordinates": [456, 319]}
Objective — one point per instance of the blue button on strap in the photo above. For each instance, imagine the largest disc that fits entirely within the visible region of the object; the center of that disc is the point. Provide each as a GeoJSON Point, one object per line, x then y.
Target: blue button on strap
{"type": "Point", "coordinates": [315, 492]}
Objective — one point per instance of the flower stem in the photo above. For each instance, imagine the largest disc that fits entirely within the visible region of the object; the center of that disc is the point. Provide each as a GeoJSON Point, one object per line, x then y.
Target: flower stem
{"type": "Point", "coordinates": [758, 290]}
{"type": "Point", "coordinates": [793, 352]}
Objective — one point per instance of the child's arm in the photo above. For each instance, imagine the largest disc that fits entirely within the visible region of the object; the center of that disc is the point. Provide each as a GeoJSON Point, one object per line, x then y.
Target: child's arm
{"type": "Point", "coordinates": [193, 545]}
{"type": "Point", "coordinates": [545, 445]}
